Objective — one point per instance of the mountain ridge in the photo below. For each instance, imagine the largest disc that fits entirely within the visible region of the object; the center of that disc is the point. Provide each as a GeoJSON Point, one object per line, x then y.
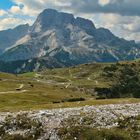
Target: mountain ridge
{"type": "Point", "coordinates": [10, 36]}
{"type": "Point", "coordinates": [68, 41]}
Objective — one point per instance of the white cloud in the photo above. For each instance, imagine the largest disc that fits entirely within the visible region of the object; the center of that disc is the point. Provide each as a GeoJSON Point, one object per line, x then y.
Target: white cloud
{"type": "Point", "coordinates": [103, 2]}
{"type": "Point", "coordinates": [30, 7]}
{"type": "Point", "coordinates": [15, 10]}
{"type": "Point", "coordinates": [2, 12]}
{"type": "Point", "coordinates": [122, 26]}
{"type": "Point", "coordinates": [34, 7]}
{"type": "Point", "coordinates": [132, 24]}
{"type": "Point", "coordinates": [12, 22]}
{"type": "Point", "coordinates": [135, 36]}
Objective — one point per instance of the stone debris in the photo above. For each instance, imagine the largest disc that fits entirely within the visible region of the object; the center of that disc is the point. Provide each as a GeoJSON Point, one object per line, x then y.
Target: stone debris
{"type": "Point", "coordinates": [102, 116]}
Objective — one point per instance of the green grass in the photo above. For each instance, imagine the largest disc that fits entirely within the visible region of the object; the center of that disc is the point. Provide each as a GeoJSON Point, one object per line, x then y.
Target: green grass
{"type": "Point", "coordinates": [80, 75]}
{"type": "Point", "coordinates": [40, 95]}
{"type": "Point", "coordinates": [28, 74]}
{"type": "Point", "coordinates": [47, 89]}
{"type": "Point", "coordinates": [35, 104]}
{"type": "Point", "coordinates": [35, 94]}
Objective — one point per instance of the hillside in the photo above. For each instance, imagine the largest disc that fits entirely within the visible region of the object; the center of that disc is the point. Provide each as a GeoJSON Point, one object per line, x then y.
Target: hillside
{"type": "Point", "coordinates": [21, 93]}
{"type": "Point", "coordinates": [107, 80]}
{"type": "Point", "coordinates": [74, 86]}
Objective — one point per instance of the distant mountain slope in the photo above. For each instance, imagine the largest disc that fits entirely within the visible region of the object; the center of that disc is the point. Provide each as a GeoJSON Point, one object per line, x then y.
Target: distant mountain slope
{"type": "Point", "coordinates": [67, 41]}
{"type": "Point", "coordinates": [22, 66]}
{"type": "Point", "coordinates": [9, 37]}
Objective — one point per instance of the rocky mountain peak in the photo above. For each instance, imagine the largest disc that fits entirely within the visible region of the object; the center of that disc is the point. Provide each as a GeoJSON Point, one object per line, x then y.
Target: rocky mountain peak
{"type": "Point", "coordinates": [50, 18]}
{"type": "Point", "coordinates": [84, 23]}
{"type": "Point", "coordinates": [66, 41]}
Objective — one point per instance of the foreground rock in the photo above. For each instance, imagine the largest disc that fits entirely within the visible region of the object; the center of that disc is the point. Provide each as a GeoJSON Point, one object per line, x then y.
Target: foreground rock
{"type": "Point", "coordinates": [103, 116]}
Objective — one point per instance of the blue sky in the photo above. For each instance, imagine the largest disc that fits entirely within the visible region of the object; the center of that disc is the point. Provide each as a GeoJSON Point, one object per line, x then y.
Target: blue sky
{"type": "Point", "coordinates": [122, 17]}
{"type": "Point", "coordinates": [5, 4]}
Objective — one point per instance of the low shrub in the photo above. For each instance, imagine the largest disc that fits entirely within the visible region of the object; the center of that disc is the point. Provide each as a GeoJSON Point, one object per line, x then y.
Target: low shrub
{"type": "Point", "coordinates": [83, 133]}
{"type": "Point", "coordinates": [73, 100]}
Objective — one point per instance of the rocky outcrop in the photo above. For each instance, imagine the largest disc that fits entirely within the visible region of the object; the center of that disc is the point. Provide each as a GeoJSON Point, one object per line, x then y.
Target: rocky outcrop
{"type": "Point", "coordinates": [103, 116]}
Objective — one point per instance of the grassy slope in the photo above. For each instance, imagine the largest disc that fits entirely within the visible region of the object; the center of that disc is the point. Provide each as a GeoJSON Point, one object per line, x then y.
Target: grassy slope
{"type": "Point", "coordinates": [41, 90]}
{"type": "Point", "coordinates": [88, 75]}
{"type": "Point", "coordinates": [36, 93]}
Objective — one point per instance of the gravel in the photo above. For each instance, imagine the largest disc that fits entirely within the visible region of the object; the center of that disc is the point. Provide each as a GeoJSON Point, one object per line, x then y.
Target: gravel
{"type": "Point", "coordinates": [102, 116]}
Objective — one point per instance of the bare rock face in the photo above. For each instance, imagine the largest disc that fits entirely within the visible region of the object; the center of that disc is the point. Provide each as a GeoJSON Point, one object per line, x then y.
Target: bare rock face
{"type": "Point", "coordinates": [51, 19]}
{"type": "Point", "coordinates": [67, 40]}
{"type": "Point", "coordinates": [84, 23]}
{"type": "Point", "coordinates": [9, 37]}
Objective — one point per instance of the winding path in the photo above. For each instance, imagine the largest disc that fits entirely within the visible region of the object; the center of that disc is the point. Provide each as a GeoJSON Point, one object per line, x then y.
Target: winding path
{"type": "Point", "coordinates": [18, 90]}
